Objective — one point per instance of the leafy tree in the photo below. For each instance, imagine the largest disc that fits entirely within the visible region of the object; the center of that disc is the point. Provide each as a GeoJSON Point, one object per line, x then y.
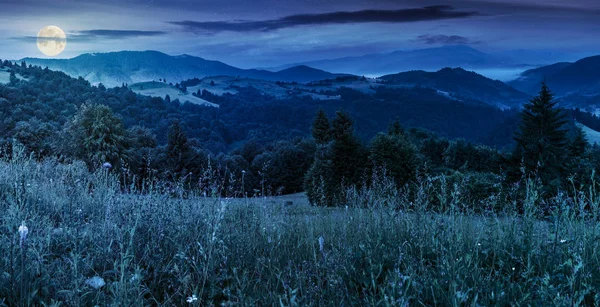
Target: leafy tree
{"type": "Point", "coordinates": [96, 135]}
{"type": "Point", "coordinates": [394, 152]}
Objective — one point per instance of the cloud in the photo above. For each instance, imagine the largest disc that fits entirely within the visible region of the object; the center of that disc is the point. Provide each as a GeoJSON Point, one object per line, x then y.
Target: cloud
{"type": "Point", "coordinates": [444, 39]}
{"type": "Point", "coordinates": [118, 34]}
{"type": "Point", "coordinates": [91, 35]}
{"type": "Point", "coordinates": [388, 16]}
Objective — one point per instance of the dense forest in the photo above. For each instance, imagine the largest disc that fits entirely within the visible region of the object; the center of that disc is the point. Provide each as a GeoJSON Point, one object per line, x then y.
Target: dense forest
{"type": "Point", "coordinates": [270, 145]}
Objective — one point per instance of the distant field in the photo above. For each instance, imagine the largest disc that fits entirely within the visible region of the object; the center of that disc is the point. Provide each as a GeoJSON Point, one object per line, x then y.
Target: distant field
{"type": "Point", "coordinates": [4, 76]}
{"type": "Point", "coordinates": [159, 89]}
{"type": "Point", "coordinates": [593, 136]}
{"type": "Point", "coordinates": [225, 84]}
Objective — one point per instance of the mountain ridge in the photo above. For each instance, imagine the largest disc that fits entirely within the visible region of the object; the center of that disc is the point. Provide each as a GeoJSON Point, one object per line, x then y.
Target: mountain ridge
{"type": "Point", "coordinates": [115, 68]}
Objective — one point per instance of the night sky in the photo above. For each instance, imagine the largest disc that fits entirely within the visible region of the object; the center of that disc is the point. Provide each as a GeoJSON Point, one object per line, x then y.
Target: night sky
{"type": "Point", "coordinates": [267, 33]}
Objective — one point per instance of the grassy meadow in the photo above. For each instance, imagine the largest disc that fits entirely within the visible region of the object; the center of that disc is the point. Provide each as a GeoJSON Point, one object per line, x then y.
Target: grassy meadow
{"type": "Point", "coordinates": [71, 238]}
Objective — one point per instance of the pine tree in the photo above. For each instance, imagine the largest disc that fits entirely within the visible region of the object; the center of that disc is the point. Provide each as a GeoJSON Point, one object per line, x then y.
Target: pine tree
{"type": "Point", "coordinates": [542, 140]}
{"type": "Point", "coordinates": [321, 129]}
{"type": "Point", "coordinates": [579, 144]}
{"type": "Point", "coordinates": [179, 151]}
{"type": "Point", "coordinates": [348, 156]}
{"type": "Point", "coordinates": [395, 128]}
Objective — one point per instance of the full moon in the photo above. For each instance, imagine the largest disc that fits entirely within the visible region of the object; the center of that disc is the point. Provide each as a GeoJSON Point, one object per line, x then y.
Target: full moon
{"type": "Point", "coordinates": [51, 40]}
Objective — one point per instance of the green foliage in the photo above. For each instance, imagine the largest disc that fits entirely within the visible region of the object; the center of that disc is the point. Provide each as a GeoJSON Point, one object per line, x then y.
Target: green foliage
{"type": "Point", "coordinates": [95, 135]}
{"type": "Point", "coordinates": [339, 163]}
{"type": "Point", "coordinates": [397, 155]}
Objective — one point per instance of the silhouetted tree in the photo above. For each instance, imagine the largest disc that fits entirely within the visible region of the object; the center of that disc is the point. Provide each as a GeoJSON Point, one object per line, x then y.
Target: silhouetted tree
{"type": "Point", "coordinates": [542, 140]}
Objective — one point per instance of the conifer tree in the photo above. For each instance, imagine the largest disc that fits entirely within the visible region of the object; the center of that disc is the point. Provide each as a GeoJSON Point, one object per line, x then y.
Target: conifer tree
{"type": "Point", "coordinates": [179, 152]}
{"type": "Point", "coordinates": [542, 142]}
{"type": "Point", "coordinates": [321, 129]}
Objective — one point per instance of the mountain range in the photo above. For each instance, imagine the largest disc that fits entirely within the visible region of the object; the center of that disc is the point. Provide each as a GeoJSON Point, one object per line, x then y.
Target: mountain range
{"type": "Point", "coordinates": [577, 84]}
{"type": "Point", "coordinates": [433, 59]}
{"type": "Point", "coordinates": [115, 68]}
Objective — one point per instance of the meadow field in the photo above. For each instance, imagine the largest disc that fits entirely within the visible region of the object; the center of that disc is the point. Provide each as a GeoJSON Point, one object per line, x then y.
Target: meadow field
{"type": "Point", "coordinates": [72, 238]}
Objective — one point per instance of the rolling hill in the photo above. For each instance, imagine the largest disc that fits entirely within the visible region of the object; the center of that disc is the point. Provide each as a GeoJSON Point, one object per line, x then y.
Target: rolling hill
{"type": "Point", "coordinates": [115, 68]}
{"type": "Point", "coordinates": [159, 89]}
{"type": "Point", "coordinates": [462, 84]}
{"type": "Point", "coordinates": [581, 77]}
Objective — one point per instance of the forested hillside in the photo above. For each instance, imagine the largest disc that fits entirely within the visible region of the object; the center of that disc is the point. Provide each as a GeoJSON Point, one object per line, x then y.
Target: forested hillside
{"type": "Point", "coordinates": [54, 115]}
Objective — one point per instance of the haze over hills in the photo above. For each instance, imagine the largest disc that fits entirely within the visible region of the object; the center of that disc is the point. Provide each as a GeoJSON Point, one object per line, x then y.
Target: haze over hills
{"type": "Point", "coordinates": [433, 59]}
{"type": "Point", "coordinates": [116, 68]}
{"type": "Point", "coordinates": [574, 84]}
{"type": "Point", "coordinates": [582, 77]}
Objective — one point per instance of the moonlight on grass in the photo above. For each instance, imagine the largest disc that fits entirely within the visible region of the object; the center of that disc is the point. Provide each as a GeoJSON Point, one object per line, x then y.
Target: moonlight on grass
{"type": "Point", "coordinates": [51, 40]}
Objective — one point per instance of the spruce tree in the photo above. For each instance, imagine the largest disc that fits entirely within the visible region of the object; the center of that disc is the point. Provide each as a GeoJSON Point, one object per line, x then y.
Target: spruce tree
{"type": "Point", "coordinates": [578, 144]}
{"type": "Point", "coordinates": [179, 152]}
{"type": "Point", "coordinates": [321, 129]}
{"type": "Point", "coordinates": [348, 156]}
{"type": "Point", "coordinates": [542, 140]}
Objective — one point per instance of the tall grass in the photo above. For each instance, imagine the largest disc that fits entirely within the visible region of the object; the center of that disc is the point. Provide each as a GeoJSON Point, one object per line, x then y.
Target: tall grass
{"type": "Point", "coordinates": [385, 248]}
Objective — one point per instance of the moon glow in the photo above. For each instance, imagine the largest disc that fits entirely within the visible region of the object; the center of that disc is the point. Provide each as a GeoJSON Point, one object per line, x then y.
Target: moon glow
{"type": "Point", "coordinates": [51, 40]}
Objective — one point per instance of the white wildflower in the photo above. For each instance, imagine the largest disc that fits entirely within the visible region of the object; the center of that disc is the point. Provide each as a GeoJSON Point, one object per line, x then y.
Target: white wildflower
{"type": "Point", "coordinates": [107, 165]}
{"type": "Point", "coordinates": [23, 231]}
{"type": "Point", "coordinates": [95, 282]}
{"type": "Point", "coordinates": [192, 299]}
{"type": "Point", "coordinates": [321, 243]}
{"type": "Point", "coordinates": [563, 241]}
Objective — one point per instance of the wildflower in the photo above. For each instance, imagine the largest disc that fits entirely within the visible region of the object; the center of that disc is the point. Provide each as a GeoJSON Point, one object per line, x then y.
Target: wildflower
{"type": "Point", "coordinates": [23, 231]}
{"type": "Point", "coordinates": [95, 282]}
{"type": "Point", "coordinates": [107, 165]}
{"type": "Point", "coordinates": [563, 241]}
{"type": "Point", "coordinates": [192, 299]}
{"type": "Point", "coordinates": [321, 243]}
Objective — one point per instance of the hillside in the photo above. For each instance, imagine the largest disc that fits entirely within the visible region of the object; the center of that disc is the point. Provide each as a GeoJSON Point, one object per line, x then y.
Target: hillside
{"type": "Point", "coordinates": [581, 77]}
{"type": "Point", "coordinates": [160, 89]}
{"type": "Point", "coordinates": [593, 136]}
{"type": "Point", "coordinates": [115, 68]}
{"type": "Point", "coordinates": [462, 84]}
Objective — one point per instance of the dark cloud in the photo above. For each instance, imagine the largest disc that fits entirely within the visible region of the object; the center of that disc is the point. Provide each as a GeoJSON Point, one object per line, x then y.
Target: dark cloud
{"type": "Point", "coordinates": [91, 35]}
{"type": "Point", "coordinates": [118, 34]}
{"type": "Point", "coordinates": [388, 16]}
{"type": "Point", "coordinates": [444, 39]}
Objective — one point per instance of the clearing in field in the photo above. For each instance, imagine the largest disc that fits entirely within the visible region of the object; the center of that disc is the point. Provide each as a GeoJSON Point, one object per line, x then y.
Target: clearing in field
{"type": "Point", "coordinates": [159, 89]}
